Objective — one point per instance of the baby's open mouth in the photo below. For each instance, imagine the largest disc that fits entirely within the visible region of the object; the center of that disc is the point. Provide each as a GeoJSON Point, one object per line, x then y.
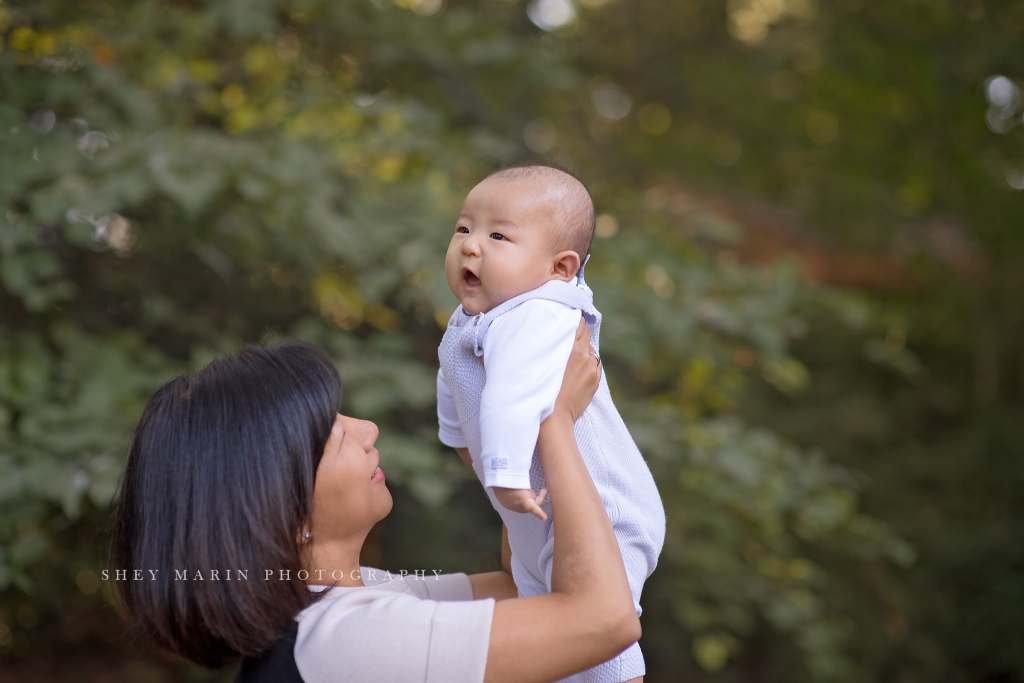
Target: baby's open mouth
{"type": "Point", "coordinates": [470, 279]}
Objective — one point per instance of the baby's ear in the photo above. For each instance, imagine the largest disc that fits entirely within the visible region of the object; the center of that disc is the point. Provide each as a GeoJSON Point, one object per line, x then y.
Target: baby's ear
{"type": "Point", "coordinates": [566, 265]}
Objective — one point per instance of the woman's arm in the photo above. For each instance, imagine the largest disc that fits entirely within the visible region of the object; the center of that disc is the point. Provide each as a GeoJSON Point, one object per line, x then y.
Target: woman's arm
{"type": "Point", "coordinates": [497, 585]}
{"type": "Point", "coordinates": [589, 616]}
{"type": "Point", "coordinates": [465, 457]}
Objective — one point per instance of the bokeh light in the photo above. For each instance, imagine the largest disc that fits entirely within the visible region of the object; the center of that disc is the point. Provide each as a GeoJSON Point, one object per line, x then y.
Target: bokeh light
{"type": "Point", "coordinates": [655, 119]}
{"type": "Point", "coordinates": [727, 149]}
{"type": "Point", "coordinates": [91, 142]}
{"type": "Point", "coordinates": [1003, 97]}
{"type": "Point", "coordinates": [42, 121]}
{"type": "Point", "coordinates": [610, 101]}
{"type": "Point", "coordinates": [606, 226]}
{"type": "Point", "coordinates": [1015, 177]}
{"type": "Point", "coordinates": [749, 20]}
{"type": "Point", "coordinates": [424, 7]}
{"type": "Point", "coordinates": [660, 282]}
{"type": "Point", "coordinates": [1000, 91]}
{"type": "Point", "coordinates": [550, 15]}
{"type": "Point", "coordinates": [822, 127]}
{"type": "Point", "coordinates": [540, 135]}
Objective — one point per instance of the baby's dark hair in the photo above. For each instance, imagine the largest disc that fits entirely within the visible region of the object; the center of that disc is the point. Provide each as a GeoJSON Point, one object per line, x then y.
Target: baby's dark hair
{"type": "Point", "coordinates": [577, 215]}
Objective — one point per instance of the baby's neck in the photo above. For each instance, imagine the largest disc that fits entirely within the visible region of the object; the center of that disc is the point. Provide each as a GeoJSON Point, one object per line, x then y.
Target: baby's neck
{"type": "Point", "coordinates": [573, 281]}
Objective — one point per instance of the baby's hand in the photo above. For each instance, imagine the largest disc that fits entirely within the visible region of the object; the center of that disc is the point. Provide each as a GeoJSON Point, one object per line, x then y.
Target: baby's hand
{"type": "Point", "coordinates": [522, 500]}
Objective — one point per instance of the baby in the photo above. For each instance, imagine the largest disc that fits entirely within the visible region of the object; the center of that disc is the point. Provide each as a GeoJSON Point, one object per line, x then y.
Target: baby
{"type": "Point", "coordinates": [516, 265]}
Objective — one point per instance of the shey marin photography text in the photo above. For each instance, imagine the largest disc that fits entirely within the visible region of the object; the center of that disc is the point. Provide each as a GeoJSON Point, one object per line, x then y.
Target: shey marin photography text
{"type": "Point", "coordinates": [264, 574]}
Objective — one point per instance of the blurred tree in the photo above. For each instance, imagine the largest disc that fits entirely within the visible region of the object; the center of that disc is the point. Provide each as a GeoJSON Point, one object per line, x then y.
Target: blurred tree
{"type": "Point", "coordinates": [180, 178]}
{"type": "Point", "coordinates": [882, 143]}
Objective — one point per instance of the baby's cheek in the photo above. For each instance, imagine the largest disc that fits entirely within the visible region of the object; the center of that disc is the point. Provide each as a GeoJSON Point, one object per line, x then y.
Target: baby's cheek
{"type": "Point", "coordinates": [501, 287]}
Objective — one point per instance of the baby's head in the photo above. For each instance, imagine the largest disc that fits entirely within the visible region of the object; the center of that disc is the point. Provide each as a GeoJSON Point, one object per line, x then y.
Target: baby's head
{"type": "Point", "coordinates": [519, 228]}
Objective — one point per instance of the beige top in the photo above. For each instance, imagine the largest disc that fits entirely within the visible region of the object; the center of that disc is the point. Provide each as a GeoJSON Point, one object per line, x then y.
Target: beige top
{"type": "Point", "coordinates": [405, 629]}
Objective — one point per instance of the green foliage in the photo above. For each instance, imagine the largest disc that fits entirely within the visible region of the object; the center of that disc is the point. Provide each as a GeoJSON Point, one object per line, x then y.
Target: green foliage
{"type": "Point", "coordinates": [69, 401]}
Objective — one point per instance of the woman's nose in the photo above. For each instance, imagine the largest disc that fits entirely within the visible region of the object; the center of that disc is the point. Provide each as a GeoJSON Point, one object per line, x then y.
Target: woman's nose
{"type": "Point", "coordinates": [370, 433]}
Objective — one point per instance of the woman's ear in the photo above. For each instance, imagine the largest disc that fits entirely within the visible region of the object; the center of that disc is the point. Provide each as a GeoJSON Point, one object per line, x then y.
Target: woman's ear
{"type": "Point", "coordinates": [566, 265]}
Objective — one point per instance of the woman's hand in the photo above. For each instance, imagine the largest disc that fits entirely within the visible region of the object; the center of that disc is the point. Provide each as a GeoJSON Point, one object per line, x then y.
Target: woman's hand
{"type": "Point", "coordinates": [582, 375]}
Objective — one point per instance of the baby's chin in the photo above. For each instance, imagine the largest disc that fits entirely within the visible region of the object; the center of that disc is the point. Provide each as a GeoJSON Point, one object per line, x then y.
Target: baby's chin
{"type": "Point", "coordinates": [478, 302]}
{"type": "Point", "coordinates": [476, 308]}
{"type": "Point", "coordinates": [475, 305]}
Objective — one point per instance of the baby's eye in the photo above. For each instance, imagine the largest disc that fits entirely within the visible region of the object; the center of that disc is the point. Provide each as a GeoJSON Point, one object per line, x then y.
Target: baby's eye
{"type": "Point", "coordinates": [497, 236]}
{"type": "Point", "coordinates": [463, 229]}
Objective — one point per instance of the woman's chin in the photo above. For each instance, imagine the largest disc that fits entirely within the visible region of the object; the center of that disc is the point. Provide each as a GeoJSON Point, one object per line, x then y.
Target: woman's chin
{"type": "Point", "coordinates": [386, 505]}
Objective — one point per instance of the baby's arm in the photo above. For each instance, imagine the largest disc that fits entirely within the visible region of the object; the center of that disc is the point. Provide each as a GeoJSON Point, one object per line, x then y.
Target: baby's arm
{"type": "Point", "coordinates": [525, 353]}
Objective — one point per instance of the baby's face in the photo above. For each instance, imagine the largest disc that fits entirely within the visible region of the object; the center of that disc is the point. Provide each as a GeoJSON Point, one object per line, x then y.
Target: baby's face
{"type": "Point", "coordinates": [502, 246]}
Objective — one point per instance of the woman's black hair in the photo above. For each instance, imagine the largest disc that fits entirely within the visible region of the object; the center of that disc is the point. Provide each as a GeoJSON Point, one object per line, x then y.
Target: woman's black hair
{"type": "Point", "coordinates": [219, 478]}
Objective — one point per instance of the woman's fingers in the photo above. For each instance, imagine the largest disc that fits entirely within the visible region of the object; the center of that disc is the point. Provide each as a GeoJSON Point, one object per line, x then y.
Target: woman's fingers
{"type": "Point", "coordinates": [582, 344]}
{"type": "Point", "coordinates": [582, 334]}
{"type": "Point", "coordinates": [582, 374]}
{"type": "Point", "coordinates": [593, 359]}
{"type": "Point", "coordinates": [583, 330]}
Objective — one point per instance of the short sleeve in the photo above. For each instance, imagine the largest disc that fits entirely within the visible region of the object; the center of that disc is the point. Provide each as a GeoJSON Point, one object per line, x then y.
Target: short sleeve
{"type": "Point", "coordinates": [367, 634]}
{"type": "Point", "coordinates": [449, 428]}
{"type": "Point", "coordinates": [448, 587]}
{"type": "Point", "coordinates": [525, 353]}
{"type": "Point", "coordinates": [428, 585]}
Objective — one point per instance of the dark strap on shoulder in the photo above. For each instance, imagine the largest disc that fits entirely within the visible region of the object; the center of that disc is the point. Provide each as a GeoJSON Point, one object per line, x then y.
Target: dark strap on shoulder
{"type": "Point", "coordinates": [276, 665]}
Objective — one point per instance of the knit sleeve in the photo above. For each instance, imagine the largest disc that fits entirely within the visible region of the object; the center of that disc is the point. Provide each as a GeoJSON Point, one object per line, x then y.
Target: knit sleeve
{"type": "Point", "coordinates": [525, 353]}
{"type": "Point", "coordinates": [449, 428]}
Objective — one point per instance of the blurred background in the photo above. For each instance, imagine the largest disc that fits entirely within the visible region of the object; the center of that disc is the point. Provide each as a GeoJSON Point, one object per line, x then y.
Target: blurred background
{"type": "Point", "coordinates": [809, 256]}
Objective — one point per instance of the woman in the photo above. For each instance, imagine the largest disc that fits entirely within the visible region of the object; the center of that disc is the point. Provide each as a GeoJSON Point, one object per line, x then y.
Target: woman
{"type": "Point", "coordinates": [245, 501]}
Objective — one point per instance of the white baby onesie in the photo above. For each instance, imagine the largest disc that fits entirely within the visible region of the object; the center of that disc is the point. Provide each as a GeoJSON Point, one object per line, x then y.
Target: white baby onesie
{"type": "Point", "coordinates": [495, 411]}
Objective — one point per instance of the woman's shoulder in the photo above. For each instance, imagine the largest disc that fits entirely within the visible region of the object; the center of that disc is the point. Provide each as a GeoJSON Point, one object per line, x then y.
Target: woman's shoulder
{"type": "Point", "coordinates": [386, 631]}
{"type": "Point", "coordinates": [381, 595]}
{"type": "Point", "coordinates": [395, 628]}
